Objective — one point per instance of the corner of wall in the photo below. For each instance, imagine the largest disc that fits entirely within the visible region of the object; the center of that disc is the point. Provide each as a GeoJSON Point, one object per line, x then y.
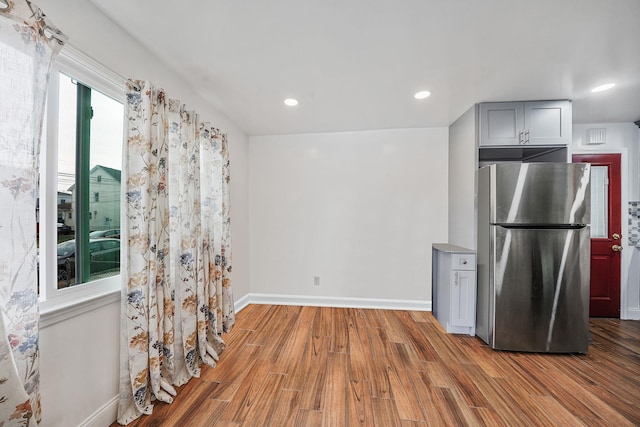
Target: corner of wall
{"type": "Point", "coordinates": [462, 167]}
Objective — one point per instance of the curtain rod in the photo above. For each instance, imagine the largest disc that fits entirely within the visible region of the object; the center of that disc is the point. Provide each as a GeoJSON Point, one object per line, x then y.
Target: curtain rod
{"type": "Point", "coordinates": [135, 85]}
{"type": "Point", "coordinates": [49, 31]}
{"type": "Point", "coordinates": [54, 33]}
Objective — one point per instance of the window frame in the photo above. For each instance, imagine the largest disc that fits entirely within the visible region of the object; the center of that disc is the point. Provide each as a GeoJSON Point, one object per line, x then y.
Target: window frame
{"type": "Point", "coordinates": [57, 305]}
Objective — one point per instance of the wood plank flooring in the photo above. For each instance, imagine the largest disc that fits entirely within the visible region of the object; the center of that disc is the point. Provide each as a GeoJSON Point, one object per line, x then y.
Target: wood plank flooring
{"type": "Point", "coordinates": [320, 366]}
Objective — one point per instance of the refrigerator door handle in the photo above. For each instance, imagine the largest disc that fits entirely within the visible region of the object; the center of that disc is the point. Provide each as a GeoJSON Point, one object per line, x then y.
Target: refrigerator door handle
{"type": "Point", "coordinates": [542, 226]}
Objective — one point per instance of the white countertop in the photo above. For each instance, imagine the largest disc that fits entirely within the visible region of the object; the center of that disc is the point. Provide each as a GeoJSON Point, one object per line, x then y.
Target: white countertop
{"type": "Point", "coordinates": [446, 247]}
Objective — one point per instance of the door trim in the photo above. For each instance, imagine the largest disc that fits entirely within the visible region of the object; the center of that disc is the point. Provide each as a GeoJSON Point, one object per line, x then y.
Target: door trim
{"type": "Point", "coordinates": [626, 312]}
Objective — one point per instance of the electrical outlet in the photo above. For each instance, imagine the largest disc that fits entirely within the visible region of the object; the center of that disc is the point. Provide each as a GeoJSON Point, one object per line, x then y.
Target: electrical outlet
{"type": "Point", "coordinates": [316, 280]}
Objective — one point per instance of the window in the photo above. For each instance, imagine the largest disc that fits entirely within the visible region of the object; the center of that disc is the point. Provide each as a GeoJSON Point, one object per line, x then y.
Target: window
{"type": "Point", "coordinates": [90, 129]}
{"type": "Point", "coordinates": [81, 157]}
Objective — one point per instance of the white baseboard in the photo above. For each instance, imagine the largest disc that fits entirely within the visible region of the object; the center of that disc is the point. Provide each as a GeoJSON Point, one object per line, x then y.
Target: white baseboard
{"type": "Point", "coordinates": [241, 303]}
{"type": "Point", "coordinates": [105, 416]}
{"type": "Point", "coordinates": [320, 301]}
{"type": "Point", "coordinates": [633, 314]}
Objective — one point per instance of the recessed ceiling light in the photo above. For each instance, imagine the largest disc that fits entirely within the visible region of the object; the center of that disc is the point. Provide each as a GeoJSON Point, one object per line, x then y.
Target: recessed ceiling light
{"type": "Point", "coordinates": [291, 102]}
{"type": "Point", "coordinates": [422, 94]}
{"type": "Point", "coordinates": [603, 87]}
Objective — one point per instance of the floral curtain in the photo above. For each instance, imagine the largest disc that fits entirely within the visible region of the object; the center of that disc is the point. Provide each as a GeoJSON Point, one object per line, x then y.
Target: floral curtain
{"type": "Point", "coordinates": [27, 47]}
{"type": "Point", "coordinates": [177, 298]}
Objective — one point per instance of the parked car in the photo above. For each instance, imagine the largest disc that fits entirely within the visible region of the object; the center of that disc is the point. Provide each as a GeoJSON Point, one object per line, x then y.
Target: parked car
{"type": "Point", "coordinates": [64, 229]}
{"type": "Point", "coordinates": [113, 233]}
{"type": "Point", "coordinates": [104, 256]}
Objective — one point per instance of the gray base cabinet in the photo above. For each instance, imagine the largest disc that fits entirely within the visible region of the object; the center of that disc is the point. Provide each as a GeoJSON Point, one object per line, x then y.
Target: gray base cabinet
{"type": "Point", "coordinates": [454, 288]}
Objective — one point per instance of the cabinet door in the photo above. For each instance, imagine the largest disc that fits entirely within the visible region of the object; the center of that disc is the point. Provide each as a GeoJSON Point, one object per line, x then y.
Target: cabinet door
{"type": "Point", "coordinates": [463, 301]}
{"type": "Point", "coordinates": [547, 122]}
{"type": "Point", "coordinates": [501, 123]}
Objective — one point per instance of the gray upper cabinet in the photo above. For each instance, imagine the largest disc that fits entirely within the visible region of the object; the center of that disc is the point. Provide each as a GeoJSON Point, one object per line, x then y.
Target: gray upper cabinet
{"type": "Point", "coordinates": [525, 123]}
{"type": "Point", "coordinates": [501, 123]}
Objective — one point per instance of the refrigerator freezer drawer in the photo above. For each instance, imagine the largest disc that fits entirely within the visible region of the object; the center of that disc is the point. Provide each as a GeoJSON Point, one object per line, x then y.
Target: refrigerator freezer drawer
{"type": "Point", "coordinates": [541, 295]}
{"type": "Point", "coordinates": [538, 193]}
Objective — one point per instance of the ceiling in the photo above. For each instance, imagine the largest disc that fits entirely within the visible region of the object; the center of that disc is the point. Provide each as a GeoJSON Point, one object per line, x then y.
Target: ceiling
{"type": "Point", "coordinates": [355, 65]}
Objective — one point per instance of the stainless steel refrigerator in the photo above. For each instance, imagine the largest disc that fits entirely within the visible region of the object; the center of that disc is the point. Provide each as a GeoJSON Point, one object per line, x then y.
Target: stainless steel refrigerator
{"type": "Point", "coordinates": [534, 257]}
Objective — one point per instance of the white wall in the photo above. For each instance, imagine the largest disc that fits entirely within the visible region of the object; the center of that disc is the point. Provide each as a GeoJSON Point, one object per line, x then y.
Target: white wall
{"type": "Point", "coordinates": [463, 169]}
{"type": "Point", "coordinates": [618, 136]}
{"type": "Point", "coordinates": [358, 209]}
{"type": "Point", "coordinates": [621, 138]}
{"type": "Point", "coordinates": [79, 361]}
{"type": "Point", "coordinates": [80, 356]}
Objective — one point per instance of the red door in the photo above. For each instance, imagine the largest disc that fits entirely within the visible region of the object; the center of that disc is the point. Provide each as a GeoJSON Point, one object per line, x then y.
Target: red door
{"type": "Point", "coordinates": [605, 233]}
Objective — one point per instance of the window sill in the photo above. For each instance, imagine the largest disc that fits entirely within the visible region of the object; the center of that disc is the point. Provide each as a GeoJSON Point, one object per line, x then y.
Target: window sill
{"type": "Point", "coordinates": [81, 300]}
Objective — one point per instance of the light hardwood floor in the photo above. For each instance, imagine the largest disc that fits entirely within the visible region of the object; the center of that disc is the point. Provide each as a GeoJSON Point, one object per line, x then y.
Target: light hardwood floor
{"type": "Point", "coordinates": [319, 366]}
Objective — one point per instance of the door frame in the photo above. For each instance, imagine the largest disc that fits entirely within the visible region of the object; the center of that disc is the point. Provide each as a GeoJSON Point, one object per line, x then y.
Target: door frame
{"type": "Point", "coordinates": [624, 218]}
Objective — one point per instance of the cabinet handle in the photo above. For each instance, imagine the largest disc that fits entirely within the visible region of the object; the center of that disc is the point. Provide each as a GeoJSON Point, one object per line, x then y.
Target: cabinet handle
{"type": "Point", "coordinates": [526, 136]}
{"type": "Point", "coordinates": [520, 140]}
{"type": "Point", "coordinates": [455, 278]}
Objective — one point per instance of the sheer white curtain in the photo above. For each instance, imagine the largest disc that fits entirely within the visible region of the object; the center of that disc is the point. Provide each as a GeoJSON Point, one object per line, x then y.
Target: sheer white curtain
{"type": "Point", "coordinates": [27, 46]}
{"type": "Point", "coordinates": [177, 298]}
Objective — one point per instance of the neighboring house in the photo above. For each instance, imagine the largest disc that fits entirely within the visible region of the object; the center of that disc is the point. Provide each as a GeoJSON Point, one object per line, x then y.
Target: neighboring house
{"type": "Point", "coordinates": [104, 198]}
{"type": "Point", "coordinates": [64, 210]}
{"type": "Point", "coordinates": [64, 197]}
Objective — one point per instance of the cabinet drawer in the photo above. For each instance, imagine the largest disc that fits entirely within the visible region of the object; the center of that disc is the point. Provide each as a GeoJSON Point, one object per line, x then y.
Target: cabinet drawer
{"type": "Point", "coordinates": [463, 262]}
